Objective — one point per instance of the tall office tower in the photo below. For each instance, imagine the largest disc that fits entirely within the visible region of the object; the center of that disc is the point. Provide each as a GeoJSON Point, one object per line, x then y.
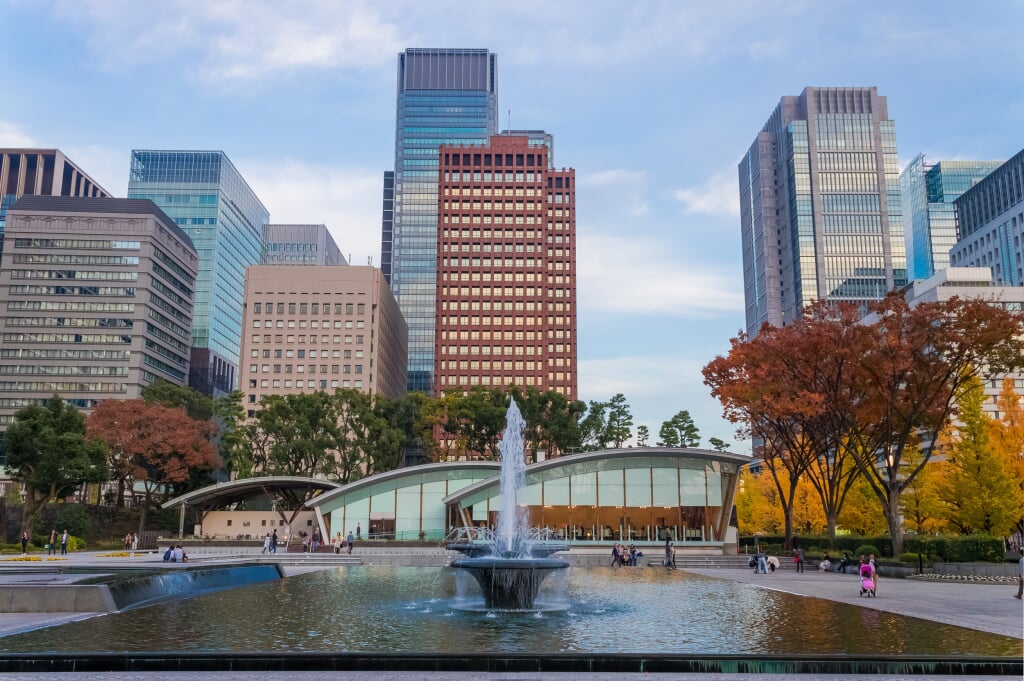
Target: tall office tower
{"type": "Point", "coordinates": [820, 205]}
{"type": "Point", "coordinates": [40, 172]}
{"type": "Point", "coordinates": [444, 97]}
{"type": "Point", "coordinates": [299, 245]}
{"type": "Point", "coordinates": [96, 301]}
{"type": "Point", "coordinates": [314, 327]}
{"type": "Point", "coordinates": [990, 224]}
{"type": "Point", "coordinates": [929, 220]}
{"type": "Point", "coordinates": [506, 270]}
{"type": "Point", "coordinates": [208, 198]}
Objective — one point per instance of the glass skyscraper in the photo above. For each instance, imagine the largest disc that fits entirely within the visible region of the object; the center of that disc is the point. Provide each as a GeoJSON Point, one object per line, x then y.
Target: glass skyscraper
{"type": "Point", "coordinates": [820, 205]}
{"type": "Point", "coordinates": [445, 96]}
{"type": "Point", "coordinates": [208, 198]}
{"type": "Point", "coordinates": [929, 217]}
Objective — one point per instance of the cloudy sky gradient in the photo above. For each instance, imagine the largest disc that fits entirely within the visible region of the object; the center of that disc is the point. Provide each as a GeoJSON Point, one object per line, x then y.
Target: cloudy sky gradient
{"type": "Point", "coordinates": [653, 103]}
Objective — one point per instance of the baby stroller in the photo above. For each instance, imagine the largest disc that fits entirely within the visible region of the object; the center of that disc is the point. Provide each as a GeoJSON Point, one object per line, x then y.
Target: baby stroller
{"type": "Point", "coordinates": [867, 580]}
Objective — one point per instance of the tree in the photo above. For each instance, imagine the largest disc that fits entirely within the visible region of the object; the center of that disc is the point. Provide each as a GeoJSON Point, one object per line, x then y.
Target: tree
{"type": "Point", "coordinates": [619, 426]}
{"type": "Point", "coordinates": [154, 445]}
{"type": "Point", "coordinates": [642, 434]}
{"type": "Point", "coordinates": [718, 444]}
{"type": "Point", "coordinates": [50, 454]}
{"type": "Point", "coordinates": [979, 486]}
{"type": "Point", "coordinates": [197, 405]}
{"type": "Point", "coordinates": [1008, 441]}
{"type": "Point", "coordinates": [757, 505]}
{"type": "Point", "coordinates": [302, 435]}
{"type": "Point", "coordinates": [593, 427]}
{"type": "Point", "coordinates": [679, 431]}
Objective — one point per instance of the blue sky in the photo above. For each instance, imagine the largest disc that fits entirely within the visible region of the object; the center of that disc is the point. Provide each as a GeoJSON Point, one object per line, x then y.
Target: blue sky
{"type": "Point", "coordinates": [653, 104]}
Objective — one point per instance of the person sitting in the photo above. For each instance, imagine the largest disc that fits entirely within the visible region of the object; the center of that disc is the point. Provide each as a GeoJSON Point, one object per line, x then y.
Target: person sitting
{"type": "Point", "coordinates": [179, 555]}
{"type": "Point", "coordinates": [169, 554]}
{"type": "Point", "coordinates": [844, 563]}
{"type": "Point", "coordinates": [825, 565]}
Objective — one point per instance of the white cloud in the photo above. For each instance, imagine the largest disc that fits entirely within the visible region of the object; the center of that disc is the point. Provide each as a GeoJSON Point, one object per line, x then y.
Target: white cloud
{"type": "Point", "coordinates": [13, 136]}
{"type": "Point", "coordinates": [347, 200]}
{"type": "Point", "coordinates": [641, 275]}
{"type": "Point", "coordinates": [236, 40]}
{"type": "Point", "coordinates": [718, 196]}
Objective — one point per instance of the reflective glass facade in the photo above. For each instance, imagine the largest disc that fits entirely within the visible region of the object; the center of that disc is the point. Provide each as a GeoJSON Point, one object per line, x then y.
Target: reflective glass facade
{"type": "Point", "coordinates": [444, 97]}
{"type": "Point", "coordinates": [820, 205]}
{"type": "Point", "coordinates": [929, 217]}
{"type": "Point", "coordinates": [208, 198]}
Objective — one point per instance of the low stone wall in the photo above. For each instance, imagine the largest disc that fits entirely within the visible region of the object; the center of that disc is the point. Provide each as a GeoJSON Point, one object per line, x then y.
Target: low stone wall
{"type": "Point", "coordinates": [977, 569]}
{"type": "Point", "coordinates": [63, 598]}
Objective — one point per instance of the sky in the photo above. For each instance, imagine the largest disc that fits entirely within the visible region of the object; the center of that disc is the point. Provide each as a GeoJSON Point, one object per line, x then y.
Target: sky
{"type": "Point", "coordinates": [652, 103]}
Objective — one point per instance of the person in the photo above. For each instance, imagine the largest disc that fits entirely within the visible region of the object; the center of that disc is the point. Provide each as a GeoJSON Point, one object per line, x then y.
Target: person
{"type": "Point", "coordinates": [169, 554]}
{"type": "Point", "coordinates": [825, 563]}
{"type": "Point", "coordinates": [24, 543]}
{"type": "Point", "coordinates": [632, 556]}
{"type": "Point", "coordinates": [874, 570]}
{"type": "Point", "coordinates": [1020, 574]}
{"type": "Point", "coordinates": [135, 541]}
{"type": "Point", "coordinates": [316, 540]}
{"type": "Point", "coordinates": [273, 542]}
{"type": "Point", "coordinates": [615, 556]}
{"type": "Point", "coordinates": [799, 556]}
{"type": "Point", "coordinates": [351, 541]}
{"type": "Point", "coordinates": [762, 563]}
{"type": "Point", "coordinates": [670, 555]}
{"type": "Point", "coordinates": [845, 562]}
{"type": "Point", "coordinates": [266, 544]}
{"type": "Point", "coordinates": [64, 543]}
{"type": "Point", "coordinates": [338, 542]}
{"type": "Point", "coordinates": [127, 541]}
{"type": "Point", "coordinates": [359, 531]}
{"type": "Point", "coordinates": [51, 548]}
{"type": "Point", "coordinates": [305, 542]}
{"type": "Point", "coordinates": [179, 554]}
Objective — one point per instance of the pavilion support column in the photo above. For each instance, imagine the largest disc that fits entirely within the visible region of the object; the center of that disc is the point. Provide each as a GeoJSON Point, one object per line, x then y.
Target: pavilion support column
{"type": "Point", "coordinates": [181, 522]}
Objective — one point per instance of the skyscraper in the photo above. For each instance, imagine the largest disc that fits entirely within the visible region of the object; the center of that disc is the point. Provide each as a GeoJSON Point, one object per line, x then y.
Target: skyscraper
{"type": "Point", "coordinates": [299, 245]}
{"type": "Point", "coordinates": [445, 96]}
{"type": "Point", "coordinates": [506, 277]}
{"type": "Point", "coordinates": [208, 198]}
{"type": "Point", "coordinates": [40, 172]}
{"type": "Point", "coordinates": [820, 205]}
{"type": "Point", "coordinates": [929, 219]}
{"type": "Point", "coordinates": [990, 224]}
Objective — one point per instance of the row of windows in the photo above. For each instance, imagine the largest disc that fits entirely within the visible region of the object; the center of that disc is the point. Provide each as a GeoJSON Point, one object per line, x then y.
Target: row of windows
{"type": "Point", "coordinates": [166, 338]}
{"type": "Point", "coordinates": [314, 308]}
{"type": "Point", "coordinates": [496, 305]}
{"type": "Point", "coordinates": [108, 323]}
{"type": "Point", "coordinates": [324, 340]}
{"type": "Point", "coordinates": [20, 402]}
{"type": "Point", "coordinates": [169, 309]}
{"type": "Point", "coordinates": [847, 160]}
{"type": "Point", "coordinates": [302, 383]}
{"type": "Point", "coordinates": [63, 306]}
{"type": "Point", "coordinates": [39, 353]}
{"type": "Point", "coordinates": [159, 286]}
{"type": "Point", "coordinates": [313, 324]}
{"type": "Point", "coordinates": [488, 292]}
{"type": "Point", "coordinates": [120, 291]}
{"type": "Point", "coordinates": [301, 368]}
{"type": "Point", "coordinates": [506, 365]}
{"type": "Point", "coordinates": [301, 353]}
{"type": "Point", "coordinates": [173, 280]}
{"type": "Point", "coordinates": [477, 159]}
{"type": "Point", "coordinates": [176, 268]}
{"type": "Point", "coordinates": [525, 277]}
{"type": "Point", "coordinates": [180, 330]}
{"type": "Point", "coordinates": [53, 259]}
{"type": "Point", "coordinates": [74, 274]}
{"type": "Point", "coordinates": [850, 203]}
{"type": "Point", "coordinates": [62, 370]}
{"type": "Point", "coordinates": [503, 220]}
{"type": "Point", "coordinates": [561, 334]}
{"type": "Point", "coordinates": [503, 380]}
{"type": "Point", "coordinates": [500, 321]}
{"type": "Point", "coordinates": [848, 182]}
{"type": "Point", "coordinates": [163, 366]}
{"type": "Point", "coordinates": [78, 244]}
{"type": "Point", "coordinates": [62, 387]}
{"type": "Point", "coordinates": [97, 339]}
{"type": "Point", "coordinates": [530, 234]}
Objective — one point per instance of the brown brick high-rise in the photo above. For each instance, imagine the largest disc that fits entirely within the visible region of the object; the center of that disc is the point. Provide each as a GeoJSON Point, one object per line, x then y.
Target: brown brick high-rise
{"type": "Point", "coordinates": [506, 268]}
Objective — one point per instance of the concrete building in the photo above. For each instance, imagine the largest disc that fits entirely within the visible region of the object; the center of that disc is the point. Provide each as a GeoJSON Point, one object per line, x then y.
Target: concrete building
{"type": "Point", "coordinates": [506, 268]}
{"type": "Point", "coordinates": [312, 328]}
{"type": "Point", "coordinates": [41, 172]}
{"type": "Point", "coordinates": [445, 96]}
{"type": "Point", "coordinates": [929, 219]}
{"type": "Point", "coordinates": [96, 301]}
{"type": "Point", "coordinates": [990, 224]}
{"type": "Point", "coordinates": [208, 198]}
{"type": "Point", "coordinates": [299, 245]}
{"type": "Point", "coordinates": [820, 205]}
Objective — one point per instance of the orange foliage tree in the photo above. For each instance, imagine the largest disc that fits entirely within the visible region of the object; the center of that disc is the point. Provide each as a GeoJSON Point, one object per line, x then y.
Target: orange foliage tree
{"type": "Point", "coordinates": [152, 444]}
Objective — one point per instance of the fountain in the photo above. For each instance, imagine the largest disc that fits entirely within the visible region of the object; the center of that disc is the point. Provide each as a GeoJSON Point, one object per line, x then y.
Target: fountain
{"type": "Point", "coordinates": [510, 563]}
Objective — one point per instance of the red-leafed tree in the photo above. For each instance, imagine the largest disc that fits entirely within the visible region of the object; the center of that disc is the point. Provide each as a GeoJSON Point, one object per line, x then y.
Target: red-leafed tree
{"type": "Point", "coordinates": [152, 444]}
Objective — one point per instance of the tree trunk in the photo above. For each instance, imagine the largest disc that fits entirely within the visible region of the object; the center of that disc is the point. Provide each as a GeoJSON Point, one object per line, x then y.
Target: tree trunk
{"type": "Point", "coordinates": [787, 514]}
{"type": "Point", "coordinates": [892, 519]}
{"type": "Point", "coordinates": [832, 520]}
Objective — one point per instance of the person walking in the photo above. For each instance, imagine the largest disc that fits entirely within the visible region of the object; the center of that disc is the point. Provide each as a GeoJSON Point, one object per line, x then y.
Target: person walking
{"type": "Point", "coordinates": [670, 555]}
{"type": "Point", "coordinates": [1020, 573]}
{"type": "Point", "coordinates": [351, 541]}
{"type": "Point", "coordinates": [64, 543]}
{"type": "Point", "coordinates": [273, 542]}
{"type": "Point", "coordinates": [51, 548]}
{"type": "Point", "coordinates": [799, 556]}
{"type": "Point", "coordinates": [266, 544]}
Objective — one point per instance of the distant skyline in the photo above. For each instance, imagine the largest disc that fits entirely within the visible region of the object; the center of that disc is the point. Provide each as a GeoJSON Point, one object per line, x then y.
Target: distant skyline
{"type": "Point", "coordinates": [653, 104]}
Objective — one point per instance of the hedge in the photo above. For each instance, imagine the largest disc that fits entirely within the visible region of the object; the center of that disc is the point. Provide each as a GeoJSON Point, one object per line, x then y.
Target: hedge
{"type": "Point", "coordinates": [946, 549]}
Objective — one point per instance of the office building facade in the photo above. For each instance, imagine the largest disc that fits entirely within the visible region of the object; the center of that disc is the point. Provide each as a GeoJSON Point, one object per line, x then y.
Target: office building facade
{"type": "Point", "coordinates": [929, 219]}
{"type": "Point", "coordinates": [506, 268]}
{"type": "Point", "coordinates": [96, 301]}
{"type": "Point", "coordinates": [299, 245]}
{"type": "Point", "coordinates": [318, 328]}
{"type": "Point", "coordinates": [208, 198]}
{"type": "Point", "coordinates": [445, 96]}
{"type": "Point", "coordinates": [990, 224]}
{"type": "Point", "coordinates": [820, 205]}
{"type": "Point", "coordinates": [41, 172]}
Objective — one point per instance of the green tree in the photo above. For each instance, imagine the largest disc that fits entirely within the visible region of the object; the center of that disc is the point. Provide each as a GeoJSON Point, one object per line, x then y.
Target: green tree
{"type": "Point", "coordinates": [679, 431]}
{"type": "Point", "coordinates": [302, 434]}
{"type": "Point", "coordinates": [198, 406]}
{"type": "Point", "coordinates": [593, 427]}
{"type": "Point", "coordinates": [49, 453]}
{"type": "Point", "coordinates": [718, 445]}
{"type": "Point", "coordinates": [619, 426]}
{"type": "Point", "coordinates": [643, 433]}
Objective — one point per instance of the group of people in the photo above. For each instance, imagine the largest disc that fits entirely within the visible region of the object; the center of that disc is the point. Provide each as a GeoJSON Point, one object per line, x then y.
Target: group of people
{"type": "Point", "coordinates": [347, 543]}
{"type": "Point", "coordinates": [51, 546]}
{"type": "Point", "coordinates": [131, 541]}
{"type": "Point", "coordinates": [175, 554]}
{"type": "Point", "coordinates": [623, 556]}
{"type": "Point", "coordinates": [270, 543]}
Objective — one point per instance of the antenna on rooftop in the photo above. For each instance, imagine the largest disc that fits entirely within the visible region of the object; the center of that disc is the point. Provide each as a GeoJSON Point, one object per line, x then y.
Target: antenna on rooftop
{"type": "Point", "coordinates": [510, 119]}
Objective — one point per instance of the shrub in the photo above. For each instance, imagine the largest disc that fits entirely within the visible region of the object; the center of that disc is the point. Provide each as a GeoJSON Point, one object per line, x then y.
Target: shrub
{"type": "Point", "coordinates": [75, 520]}
{"type": "Point", "coordinates": [911, 558]}
{"type": "Point", "coordinates": [958, 549]}
{"type": "Point", "coordinates": [866, 550]}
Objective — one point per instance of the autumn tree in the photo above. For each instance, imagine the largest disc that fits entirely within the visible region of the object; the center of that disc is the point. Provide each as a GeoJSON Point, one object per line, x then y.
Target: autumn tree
{"type": "Point", "coordinates": [920, 360]}
{"type": "Point", "coordinates": [154, 445]}
{"type": "Point", "coordinates": [1007, 437]}
{"type": "Point", "coordinates": [679, 431]}
{"type": "Point", "coordinates": [50, 453]}
{"type": "Point", "coordinates": [758, 510]}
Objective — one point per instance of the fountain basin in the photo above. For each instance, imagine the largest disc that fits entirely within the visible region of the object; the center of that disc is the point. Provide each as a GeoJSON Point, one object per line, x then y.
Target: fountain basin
{"type": "Point", "coordinates": [484, 550]}
{"type": "Point", "coordinates": [510, 583]}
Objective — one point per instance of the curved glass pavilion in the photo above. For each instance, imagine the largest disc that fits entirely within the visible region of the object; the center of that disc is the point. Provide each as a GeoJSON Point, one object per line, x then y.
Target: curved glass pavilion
{"type": "Point", "coordinates": [641, 494]}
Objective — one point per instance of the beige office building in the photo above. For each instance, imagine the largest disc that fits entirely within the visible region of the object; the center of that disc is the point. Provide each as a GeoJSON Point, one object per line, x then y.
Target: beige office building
{"type": "Point", "coordinates": [320, 327]}
{"type": "Point", "coordinates": [96, 299]}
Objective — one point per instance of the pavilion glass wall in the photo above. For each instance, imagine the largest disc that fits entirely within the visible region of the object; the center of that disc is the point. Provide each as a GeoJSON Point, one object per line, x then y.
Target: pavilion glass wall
{"type": "Point", "coordinates": [634, 500]}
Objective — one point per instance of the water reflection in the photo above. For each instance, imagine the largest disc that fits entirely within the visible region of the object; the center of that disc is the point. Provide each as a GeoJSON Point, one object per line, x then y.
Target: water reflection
{"type": "Point", "coordinates": [412, 610]}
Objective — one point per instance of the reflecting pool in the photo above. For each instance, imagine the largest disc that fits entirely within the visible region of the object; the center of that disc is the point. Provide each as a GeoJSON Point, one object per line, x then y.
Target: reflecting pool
{"type": "Point", "coordinates": [395, 609]}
